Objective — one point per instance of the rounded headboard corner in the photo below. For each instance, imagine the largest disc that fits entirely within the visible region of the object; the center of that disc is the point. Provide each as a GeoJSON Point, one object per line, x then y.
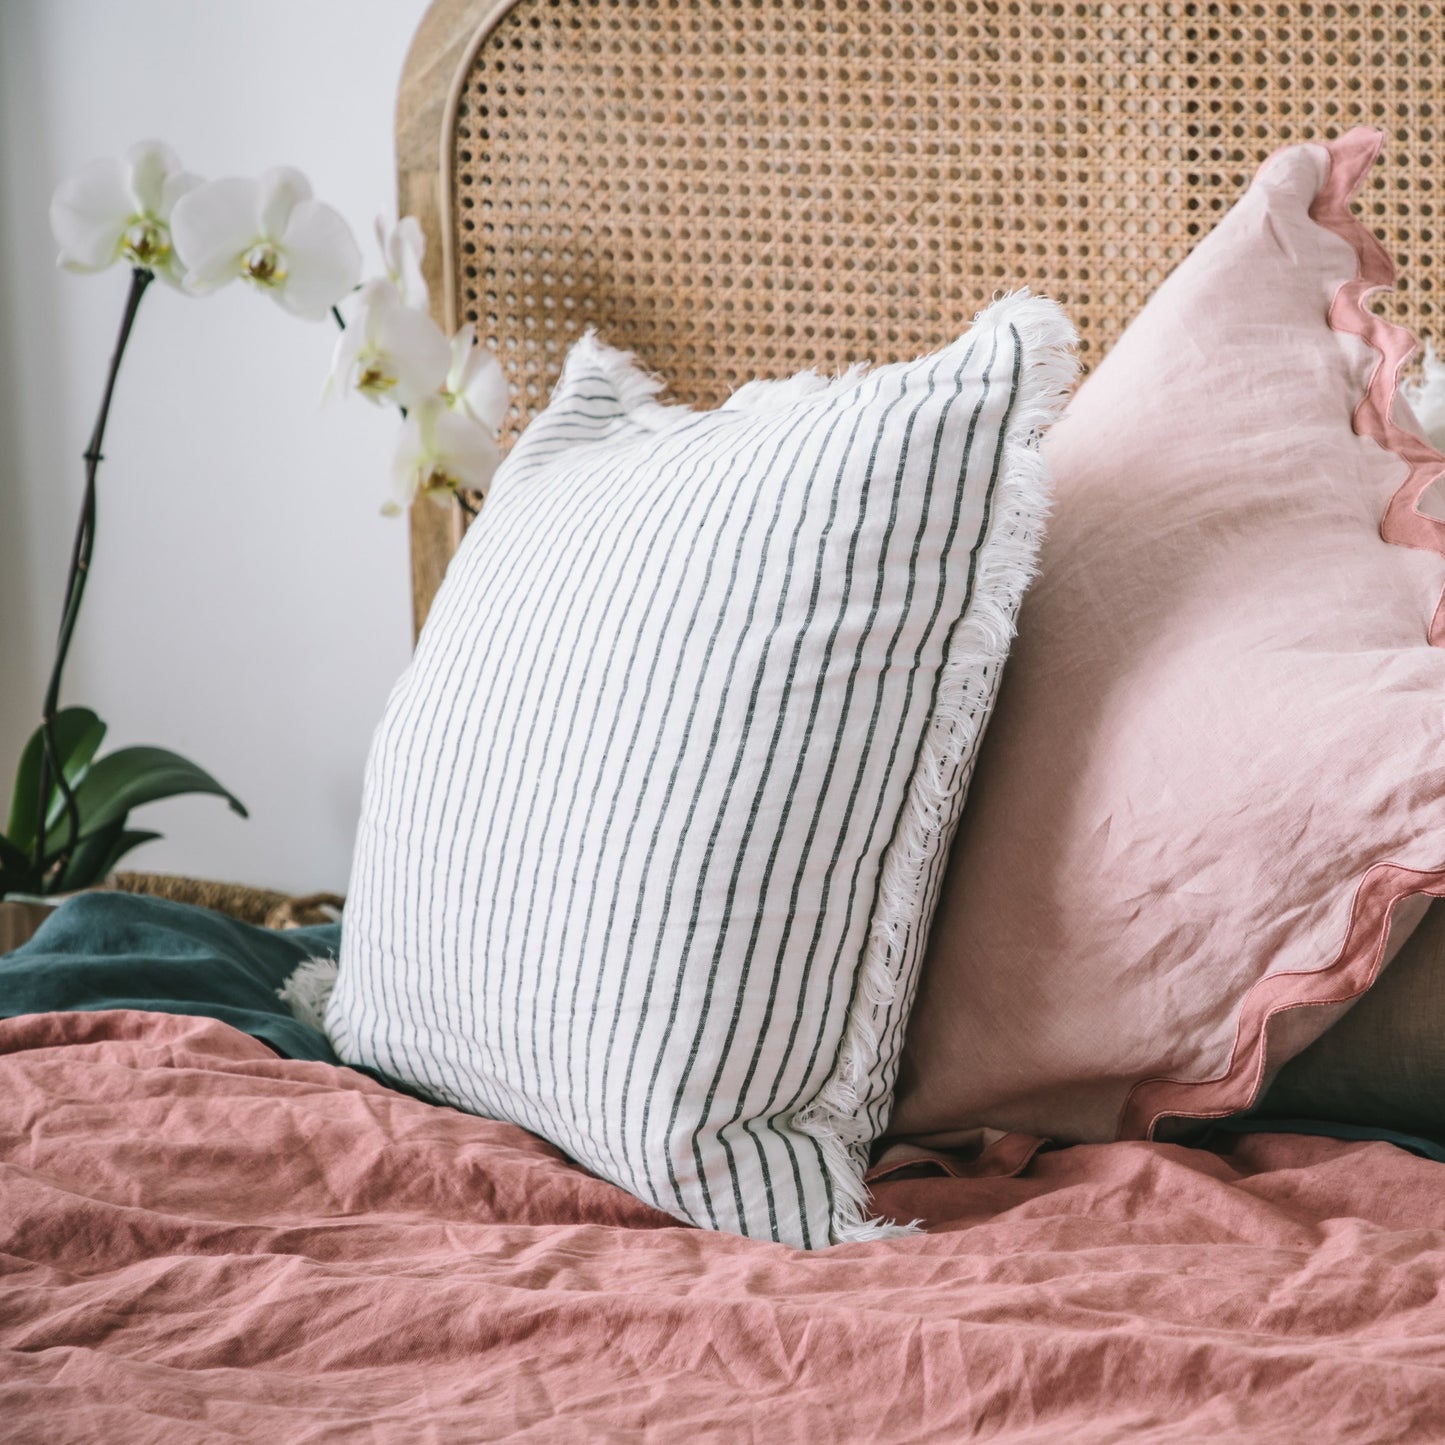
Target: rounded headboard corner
{"type": "Point", "coordinates": [733, 188]}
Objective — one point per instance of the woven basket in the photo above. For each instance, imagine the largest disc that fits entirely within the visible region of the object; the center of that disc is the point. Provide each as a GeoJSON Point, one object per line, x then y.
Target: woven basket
{"type": "Point", "coordinates": [264, 907]}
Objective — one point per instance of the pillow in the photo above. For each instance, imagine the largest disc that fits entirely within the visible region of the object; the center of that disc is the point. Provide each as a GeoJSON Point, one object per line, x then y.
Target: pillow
{"type": "Point", "coordinates": [1219, 758]}
{"type": "Point", "coordinates": [1383, 1064]}
{"type": "Point", "coordinates": [651, 825]}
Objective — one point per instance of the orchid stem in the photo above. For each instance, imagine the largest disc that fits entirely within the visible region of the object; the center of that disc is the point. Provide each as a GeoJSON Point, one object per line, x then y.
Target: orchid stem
{"type": "Point", "coordinates": [51, 768]}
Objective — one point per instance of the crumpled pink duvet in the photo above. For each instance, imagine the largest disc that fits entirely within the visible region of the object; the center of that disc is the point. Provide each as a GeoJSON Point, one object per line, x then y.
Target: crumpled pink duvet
{"type": "Point", "coordinates": [201, 1241]}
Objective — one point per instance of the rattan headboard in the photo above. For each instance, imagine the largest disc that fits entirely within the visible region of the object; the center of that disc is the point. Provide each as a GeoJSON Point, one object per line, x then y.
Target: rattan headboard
{"type": "Point", "coordinates": [735, 188]}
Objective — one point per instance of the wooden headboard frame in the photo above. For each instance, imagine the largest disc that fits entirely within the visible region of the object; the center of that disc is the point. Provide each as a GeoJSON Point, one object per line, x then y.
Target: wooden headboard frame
{"type": "Point", "coordinates": [745, 187]}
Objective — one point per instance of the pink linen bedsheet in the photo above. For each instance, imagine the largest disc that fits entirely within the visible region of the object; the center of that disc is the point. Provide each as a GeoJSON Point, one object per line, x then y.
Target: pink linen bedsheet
{"type": "Point", "coordinates": [205, 1242]}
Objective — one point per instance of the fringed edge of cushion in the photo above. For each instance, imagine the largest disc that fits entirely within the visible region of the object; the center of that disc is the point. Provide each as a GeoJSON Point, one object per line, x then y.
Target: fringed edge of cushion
{"type": "Point", "coordinates": [1008, 560]}
{"type": "Point", "coordinates": [636, 389]}
{"type": "Point", "coordinates": [307, 991]}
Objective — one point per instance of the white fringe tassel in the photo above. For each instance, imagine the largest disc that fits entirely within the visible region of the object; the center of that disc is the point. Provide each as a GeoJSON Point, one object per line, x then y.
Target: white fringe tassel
{"type": "Point", "coordinates": [835, 1118]}
{"type": "Point", "coordinates": [307, 991]}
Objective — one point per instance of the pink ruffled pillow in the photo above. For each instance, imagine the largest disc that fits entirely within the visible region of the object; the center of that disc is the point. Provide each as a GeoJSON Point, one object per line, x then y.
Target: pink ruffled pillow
{"type": "Point", "coordinates": [1218, 760]}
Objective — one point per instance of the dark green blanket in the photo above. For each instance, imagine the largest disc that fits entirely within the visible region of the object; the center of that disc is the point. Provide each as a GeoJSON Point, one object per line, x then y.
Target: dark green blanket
{"type": "Point", "coordinates": [118, 950]}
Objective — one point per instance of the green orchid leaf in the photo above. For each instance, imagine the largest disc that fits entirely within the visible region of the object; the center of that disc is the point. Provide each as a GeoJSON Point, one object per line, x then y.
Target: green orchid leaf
{"type": "Point", "coordinates": [131, 777]}
{"type": "Point", "coordinates": [128, 839]}
{"type": "Point", "coordinates": [16, 874]}
{"type": "Point", "coordinates": [78, 735]}
{"type": "Point", "coordinates": [86, 865]}
{"type": "Point", "coordinates": [98, 853]}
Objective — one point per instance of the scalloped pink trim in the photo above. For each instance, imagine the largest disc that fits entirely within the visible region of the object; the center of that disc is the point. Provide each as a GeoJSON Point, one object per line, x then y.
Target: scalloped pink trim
{"type": "Point", "coordinates": [1354, 969]}
{"type": "Point", "coordinates": [1384, 885]}
{"type": "Point", "coordinates": [1351, 157]}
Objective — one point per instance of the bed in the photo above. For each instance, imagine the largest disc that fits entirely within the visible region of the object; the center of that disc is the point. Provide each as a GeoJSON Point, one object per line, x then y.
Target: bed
{"type": "Point", "coordinates": [213, 1231]}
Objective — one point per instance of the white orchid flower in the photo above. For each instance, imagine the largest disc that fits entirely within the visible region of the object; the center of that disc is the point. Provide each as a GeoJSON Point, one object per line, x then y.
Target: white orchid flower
{"type": "Point", "coordinates": [440, 452]}
{"type": "Point", "coordinates": [1426, 396]}
{"type": "Point", "coordinates": [270, 232]}
{"type": "Point", "coordinates": [388, 351]}
{"type": "Point", "coordinates": [120, 209]}
{"type": "Point", "coordinates": [402, 248]}
{"type": "Point", "coordinates": [476, 385]}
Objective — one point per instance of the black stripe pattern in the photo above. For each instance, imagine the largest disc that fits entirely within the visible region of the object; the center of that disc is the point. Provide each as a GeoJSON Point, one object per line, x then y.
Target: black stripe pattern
{"type": "Point", "coordinates": [654, 820]}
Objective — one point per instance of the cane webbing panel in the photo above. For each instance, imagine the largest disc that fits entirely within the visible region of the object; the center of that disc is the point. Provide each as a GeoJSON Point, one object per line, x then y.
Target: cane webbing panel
{"type": "Point", "coordinates": [746, 187]}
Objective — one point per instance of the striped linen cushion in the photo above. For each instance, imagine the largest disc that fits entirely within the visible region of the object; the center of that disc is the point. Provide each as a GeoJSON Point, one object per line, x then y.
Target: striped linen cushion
{"type": "Point", "coordinates": [654, 823]}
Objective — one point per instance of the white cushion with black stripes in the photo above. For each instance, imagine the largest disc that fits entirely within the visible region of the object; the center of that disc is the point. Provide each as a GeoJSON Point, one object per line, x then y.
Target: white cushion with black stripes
{"type": "Point", "coordinates": [655, 821]}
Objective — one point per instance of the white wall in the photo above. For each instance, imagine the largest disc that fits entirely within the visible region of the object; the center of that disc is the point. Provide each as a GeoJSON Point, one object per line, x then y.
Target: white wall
{"type": "Point", "coordinates": [249, 606]}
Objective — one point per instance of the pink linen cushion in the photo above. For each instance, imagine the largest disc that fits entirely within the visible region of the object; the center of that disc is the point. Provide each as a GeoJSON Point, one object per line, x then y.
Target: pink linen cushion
{"type": "Point", "coordinates": [1218, 760]}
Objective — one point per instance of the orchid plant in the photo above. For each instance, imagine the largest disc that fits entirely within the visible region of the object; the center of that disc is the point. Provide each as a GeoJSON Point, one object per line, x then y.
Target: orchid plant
{"type": "Point", "coordinates": [69, 818]}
